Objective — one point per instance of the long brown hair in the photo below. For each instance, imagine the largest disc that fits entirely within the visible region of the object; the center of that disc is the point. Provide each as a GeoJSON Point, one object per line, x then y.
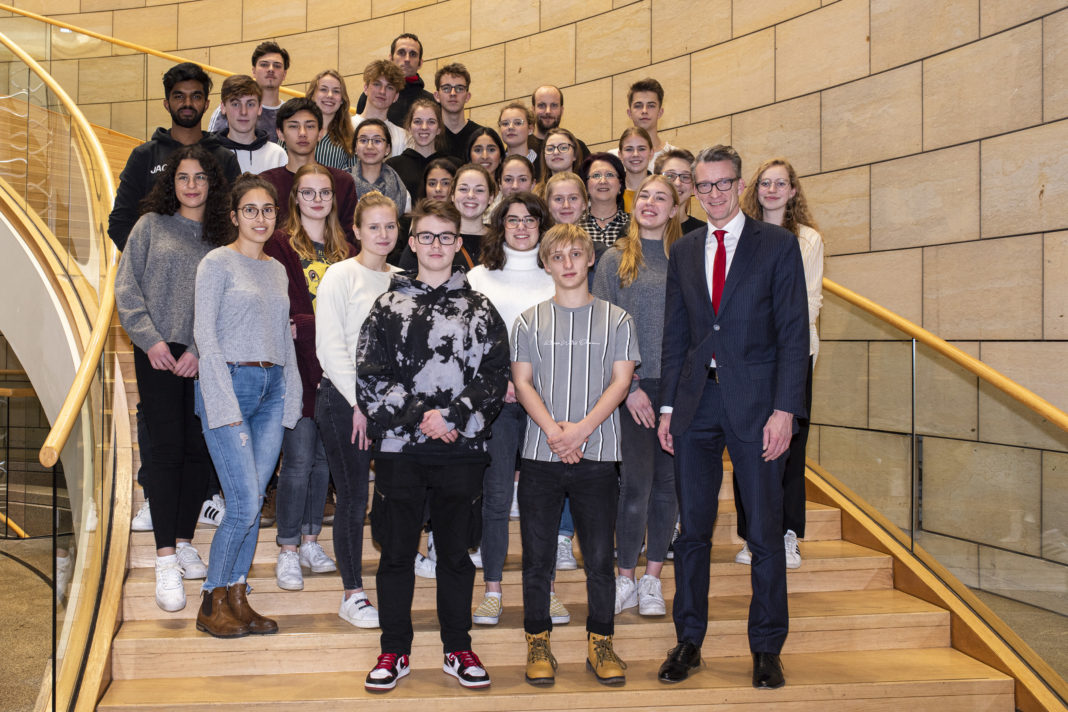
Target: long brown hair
{"type": "Point", "coordinates": [632, 259]}
{"type": "Point", "coordinates": [340, 129]}
{"type": "Point", "coordinates": [797, 212]}
{"type": "Point", "coordinates": [335, 246]}
{"type": "Point", "coordinates": [576, 150]}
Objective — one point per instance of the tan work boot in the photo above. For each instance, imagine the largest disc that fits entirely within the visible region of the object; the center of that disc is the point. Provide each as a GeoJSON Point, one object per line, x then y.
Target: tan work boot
{"type": "Point", "coordinates": [602, 660]}
{"type": "Point", "coordinates": [257, 624]}
{"type": "Point", "coordinates": [216, 618]}
{"type": "Point", "coordinates": [541, 665]}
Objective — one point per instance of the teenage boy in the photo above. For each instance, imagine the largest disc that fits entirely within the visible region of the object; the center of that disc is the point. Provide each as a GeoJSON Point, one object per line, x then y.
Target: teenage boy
{"type": "Point", "coordinates": [452, 83]}
{"type": "Point", "coordinates": [382, 83]}
{"type": "Point", "coordinates": [254, 149]}
{"type": "Point", "coordinates": [270, 63]}
{"type": "Point", "coordinates": [580, 352]}
{"type": "Point", "coordinates": [645, 106]}
{"type": "Point", "coordinates": [185, 88]}
{"type": "Point", "coordinates": [298, 124]}
{"type": "Point", "coordinates": [433, 357]}
{"type": "Point", "coordinates": [406, 52]}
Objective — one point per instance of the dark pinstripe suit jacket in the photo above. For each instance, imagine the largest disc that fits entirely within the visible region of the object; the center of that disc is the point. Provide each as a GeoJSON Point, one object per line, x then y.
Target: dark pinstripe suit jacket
{"type": "Point", "coordinates": [759, 337]}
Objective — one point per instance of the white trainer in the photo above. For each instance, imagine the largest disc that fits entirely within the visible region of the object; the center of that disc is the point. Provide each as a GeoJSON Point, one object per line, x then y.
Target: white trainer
{"type": "Point", "coordinates": [313, 557]}
{"type": "Point", "coordinates": [358, 611]}
{"type": "Point", "coordinates": [565, 557]}
{"type": "Point", "coordinates": [793, 551]}
{"type": "Point", "coordinates": [476, 557]}
{"type": "Point", "coordinates": [424, 567]}
{"type": "Point", "coordinates": [170, 593]}
{"type": "Point", "coordinates": [287, 573]}
{"type": "Point", "coordinates": [190, 562]}
{"type": "Point", "coordinates": [744, 556]}
{"type": "Point", "coordinates": [142, 521]}
{"type": "Point", "coordinates": [626, 593]}
{"type": "Point", "coordinates": [514, 514]}
{"type": "Point", "coordinates": [212, 511]}
{"type": "Point", "coordinates": [650, 597]}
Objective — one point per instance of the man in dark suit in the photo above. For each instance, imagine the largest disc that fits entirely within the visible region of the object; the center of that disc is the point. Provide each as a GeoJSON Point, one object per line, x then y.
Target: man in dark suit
{"type": "Point", "coordinates": [735, 351]}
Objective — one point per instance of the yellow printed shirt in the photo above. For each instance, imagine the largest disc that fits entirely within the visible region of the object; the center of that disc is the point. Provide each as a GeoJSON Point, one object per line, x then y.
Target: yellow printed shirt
{"type": "Point", "coordinates": [314, 270]}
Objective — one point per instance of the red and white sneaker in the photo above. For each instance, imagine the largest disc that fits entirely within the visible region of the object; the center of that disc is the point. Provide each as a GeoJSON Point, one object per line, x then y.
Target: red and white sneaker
{"type": "Point", "coordinates": [465, 666]}
{"type": "Point", "coordinates": [383, 676]}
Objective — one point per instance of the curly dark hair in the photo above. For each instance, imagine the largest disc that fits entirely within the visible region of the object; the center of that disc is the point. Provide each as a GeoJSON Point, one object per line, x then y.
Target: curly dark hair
{"type": "Point", "coordinates": [617, 166]}
{"type": "Point", "coordinates": [492, 249]}
{"type": "Point", "coordinates": [163, 198]}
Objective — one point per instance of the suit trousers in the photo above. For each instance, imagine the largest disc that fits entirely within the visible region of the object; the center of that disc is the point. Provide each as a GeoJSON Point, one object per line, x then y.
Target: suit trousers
{"type": "Point", "coordinates": [698, 476]}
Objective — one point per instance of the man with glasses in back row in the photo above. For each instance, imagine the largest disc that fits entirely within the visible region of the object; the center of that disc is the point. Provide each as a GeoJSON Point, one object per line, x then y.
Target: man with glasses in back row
{"type": "Point", "coordinates": [735, 351]}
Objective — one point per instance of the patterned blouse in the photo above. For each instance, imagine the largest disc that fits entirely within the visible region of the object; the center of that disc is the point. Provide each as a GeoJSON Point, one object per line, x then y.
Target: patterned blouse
{"type": "Point", "coordinates": [615, 228]}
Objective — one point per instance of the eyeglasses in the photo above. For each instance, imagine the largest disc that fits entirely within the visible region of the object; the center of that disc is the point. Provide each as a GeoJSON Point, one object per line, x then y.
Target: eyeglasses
{"type": "Point", "coordinates": [185, 178]}
{"type": "Point", "coordinates": [684, 178]}
{"type": "Point", "coordinates": [427, 238]}
{"type": "Point", "coordinates": [724, 184]}
{"type": "Point", "coordinates": [606, 175]}
{"type": "Point", "coordinates": [780, 183]}
{"type": "Point", "coordinates": [251, 212]}
{"type": "Point", "coordinates": [559, 148]}
{"type": "Point", "coordinates": [310, 193]}
{"type": "Point", "coordinates": [514, 221]}
{"type": "Point", "coordinates": [452, 88]}
{"type": "Point", "coordinates": [375, 141]}
{"type": "Point", "coordinates": [514, 123]}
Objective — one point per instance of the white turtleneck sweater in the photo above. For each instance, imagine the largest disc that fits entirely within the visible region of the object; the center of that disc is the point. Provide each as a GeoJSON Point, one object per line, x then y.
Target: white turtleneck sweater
{"type": "Point", "coordinates": [517, 287]}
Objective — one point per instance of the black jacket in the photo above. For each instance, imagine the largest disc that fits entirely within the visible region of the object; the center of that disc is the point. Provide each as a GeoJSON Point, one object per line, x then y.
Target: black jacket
{"type": "Point", "coordinates": [413, 89]}
{"type": "Point", "coordinates": [145, 163]}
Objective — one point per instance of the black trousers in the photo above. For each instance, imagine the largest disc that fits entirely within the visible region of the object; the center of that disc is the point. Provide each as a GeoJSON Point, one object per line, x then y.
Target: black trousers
{"type": "Point", "coordinates": [403, 486]}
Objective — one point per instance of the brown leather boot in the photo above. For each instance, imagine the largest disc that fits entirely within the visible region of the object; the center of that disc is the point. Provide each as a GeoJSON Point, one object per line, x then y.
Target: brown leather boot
{"type": "Point", "coordinates": [257, 624]}
{"type": "Point", "coordinates": [216, 618]}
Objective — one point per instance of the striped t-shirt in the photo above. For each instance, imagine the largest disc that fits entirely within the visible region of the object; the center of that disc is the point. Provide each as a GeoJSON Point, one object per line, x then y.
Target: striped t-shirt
{"type": "Point", "coordinates": [572, 351]}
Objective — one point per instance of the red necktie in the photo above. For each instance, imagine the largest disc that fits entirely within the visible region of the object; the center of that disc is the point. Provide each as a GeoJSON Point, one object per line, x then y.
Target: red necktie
{"type": "Point", "coordinates": [719, 269]}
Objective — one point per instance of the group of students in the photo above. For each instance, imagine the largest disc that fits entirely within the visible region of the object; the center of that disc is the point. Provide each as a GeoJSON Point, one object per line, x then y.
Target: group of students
{"type": "Point", "coordinates": [517, 356]}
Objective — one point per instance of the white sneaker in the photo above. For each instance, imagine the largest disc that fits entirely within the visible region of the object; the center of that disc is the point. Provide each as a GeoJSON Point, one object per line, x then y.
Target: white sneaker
{"type": "Point", "coordinates": [190, 562]}
{"type": "Point", "coordinates": [671, 547]}
{"type": "Point", "coordinates": [313, 557]}
{"type": "Point", "coordinates": [626, 593]}
{"type": "Point", "coordinates": [793, 552]}
{"type": "Point", "coordinates": [431, 551]}
{"type": "Point", "coordinates": [489, 611]}
{"type": "Point", "coordinates": [744, 556]}
{"type": "Point", "coordinates": [650, 597]}
{"type": "Point", "coordinates": [557, 613]}
{"type": "Point", "coordinates": [170, 593]}
{"type": "Point", "coordinates": [358, 611]}
{"type": "Point", "coordinates": [424, 567]}
{"type": "Point", "coordinates": [91, 517]}
{"type": "Point", "coordinates": [476, 557]}
{"type": "Point", "coordinates": [142, 521]}
{"type": "Point", "coordinates": [565, 558]}
{"type": "Point", "coordinates": [514, 514]}
{"type": "Point", "coordinates": [64, 566]}
{"type": "Point", "coordinates": [212, 511]}
{"type": "Point", "coordinates": [287, 573]}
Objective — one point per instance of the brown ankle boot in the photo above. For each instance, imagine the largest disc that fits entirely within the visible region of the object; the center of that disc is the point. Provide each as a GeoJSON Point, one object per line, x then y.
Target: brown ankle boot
{"type": "Point", "coordinates": [216, 618]}
{"type": "Point", "coordinates": [257, 624]}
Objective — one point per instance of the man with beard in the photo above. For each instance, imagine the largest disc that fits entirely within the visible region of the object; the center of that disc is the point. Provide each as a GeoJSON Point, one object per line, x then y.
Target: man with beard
{"type": "Point", "coordinates": [185, 87]}
{"type": "Point", "coordinates": [548, 103]}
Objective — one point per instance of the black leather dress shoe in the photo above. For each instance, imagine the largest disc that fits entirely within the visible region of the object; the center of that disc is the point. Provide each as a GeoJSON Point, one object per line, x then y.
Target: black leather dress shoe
{"type": "Point", "coordinates": [680, 660]}
{"type": "Point", "coordinates": [767, 671]}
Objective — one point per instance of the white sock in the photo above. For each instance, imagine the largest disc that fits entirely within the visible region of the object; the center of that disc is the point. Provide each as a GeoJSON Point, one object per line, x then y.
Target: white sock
{"type": "Point", "coordinates": [172, 559]}
{"type": "Point", "coordinates": [493, 594]}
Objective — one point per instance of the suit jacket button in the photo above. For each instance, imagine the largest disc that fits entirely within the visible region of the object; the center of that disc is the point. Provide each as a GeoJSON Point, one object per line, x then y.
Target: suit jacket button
{"type": "Point", "coordinates": [715, 327]}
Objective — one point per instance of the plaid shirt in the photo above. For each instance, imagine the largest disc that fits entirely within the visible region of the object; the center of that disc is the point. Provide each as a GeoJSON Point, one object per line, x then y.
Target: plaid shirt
{"type": "Point", "coordinates": [616, 228]}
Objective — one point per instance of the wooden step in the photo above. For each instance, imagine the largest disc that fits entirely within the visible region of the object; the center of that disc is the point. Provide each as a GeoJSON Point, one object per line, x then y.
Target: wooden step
{"type": "Point", "coordinates": [827, 566]}
{"type": "Point", "coordinates": [822, 523]}
{"type": "Point", "coordinates": [838, 620]}
{"type": "Point", "coordinates": [919, 680]}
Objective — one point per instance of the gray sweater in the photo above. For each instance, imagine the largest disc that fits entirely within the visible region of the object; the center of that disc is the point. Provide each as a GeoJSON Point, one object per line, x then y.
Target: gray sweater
{"type": "Point", "coordinates": [154, 284]}
{"type": "Point", "coordinates": [242, 314]}
{"type": "Point", "coordinates": [643, 299]}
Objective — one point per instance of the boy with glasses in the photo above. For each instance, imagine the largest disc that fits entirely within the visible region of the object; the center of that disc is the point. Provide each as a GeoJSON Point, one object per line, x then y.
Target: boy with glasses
{"type": "Point", "coordinates": [433, 357]}
{"type": "Point", "coordinates": [453, 83]}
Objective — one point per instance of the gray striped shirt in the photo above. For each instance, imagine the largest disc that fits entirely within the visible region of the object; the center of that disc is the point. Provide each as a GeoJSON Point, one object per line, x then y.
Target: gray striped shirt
{"type": "Point", "coordinates": [572, 351]}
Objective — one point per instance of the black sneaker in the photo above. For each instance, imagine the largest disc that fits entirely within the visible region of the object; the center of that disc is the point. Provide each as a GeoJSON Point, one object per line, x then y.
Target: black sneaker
{"type": "Point", "coordinates": [465, 666]}
{"type": "Point", "coordinates": [383, 676]}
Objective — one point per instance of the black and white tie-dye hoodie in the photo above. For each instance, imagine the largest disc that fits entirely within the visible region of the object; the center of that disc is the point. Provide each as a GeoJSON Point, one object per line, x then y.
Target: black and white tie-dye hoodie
{"type": "Point", "coordinates": [423, 348]}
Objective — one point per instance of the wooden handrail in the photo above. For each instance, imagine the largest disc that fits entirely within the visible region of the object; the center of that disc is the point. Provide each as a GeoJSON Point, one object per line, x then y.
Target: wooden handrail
{"type": "Point", "coordinates": [1014, 390]}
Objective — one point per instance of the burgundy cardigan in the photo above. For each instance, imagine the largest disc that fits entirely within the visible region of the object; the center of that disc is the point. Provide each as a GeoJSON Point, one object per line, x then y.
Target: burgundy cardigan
{"type": "Point", "coordinates": [302, 315]}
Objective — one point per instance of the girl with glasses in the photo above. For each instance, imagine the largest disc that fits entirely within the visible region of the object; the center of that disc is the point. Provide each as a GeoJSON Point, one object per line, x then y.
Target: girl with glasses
{"type": "Point", "coordinates": [516, 122]}
{"type": "Point", "coordinates": [309, 242]}
{"type": "Point", "coordinates": [184, 218]}
{"type": "Point", "coordinates": [249, 391]}
{"type": "Point", "coordinates": [675, 165]}
{"type": "Point", "coordinates": [373, 145]}
{"type": "Point", "coordinates": [560, 153]}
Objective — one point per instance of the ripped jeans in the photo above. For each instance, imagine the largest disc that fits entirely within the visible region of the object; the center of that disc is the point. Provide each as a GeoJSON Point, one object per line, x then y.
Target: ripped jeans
{"type": "Point", "coordinates": [245, 456]}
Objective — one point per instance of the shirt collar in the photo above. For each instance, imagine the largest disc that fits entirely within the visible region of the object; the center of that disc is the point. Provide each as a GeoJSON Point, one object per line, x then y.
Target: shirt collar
{"type": "Point", "coordinates": [733, 228]}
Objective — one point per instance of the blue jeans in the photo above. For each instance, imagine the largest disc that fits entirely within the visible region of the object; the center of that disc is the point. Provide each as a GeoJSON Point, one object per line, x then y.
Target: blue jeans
{"type": "Point", "coordinates": [498, 487]}
{"type": "Point", "coordinates": [244, 456]}
{"type": "Point", "coordinates": [302, 482]}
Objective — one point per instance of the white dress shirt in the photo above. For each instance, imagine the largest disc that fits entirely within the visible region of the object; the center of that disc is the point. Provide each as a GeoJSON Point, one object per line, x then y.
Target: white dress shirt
{"type": "Point", "coordinates": [730, 244]}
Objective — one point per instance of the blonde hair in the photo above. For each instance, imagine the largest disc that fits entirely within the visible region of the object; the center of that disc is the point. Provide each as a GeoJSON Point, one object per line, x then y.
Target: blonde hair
{"type": "Point", "coordinates": [340, 129]}
{"type": "Point", "coordinates": [549, 186]}
{"type": "Point", "coordinates": [563, 234]}
{"type": "Point", "coordinates": [632, 259]}
{"type": "Point", "coordinates": [335, 246]}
